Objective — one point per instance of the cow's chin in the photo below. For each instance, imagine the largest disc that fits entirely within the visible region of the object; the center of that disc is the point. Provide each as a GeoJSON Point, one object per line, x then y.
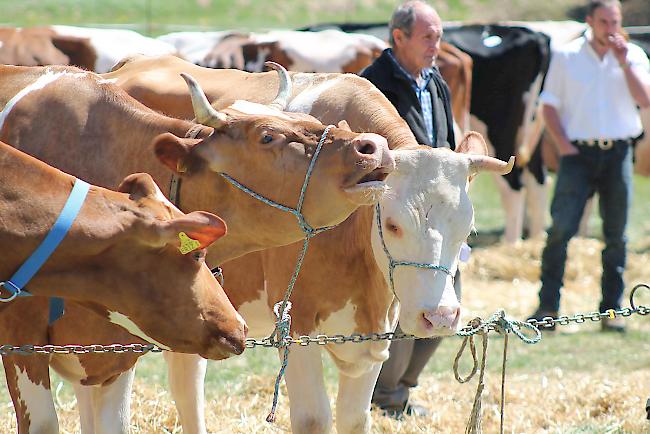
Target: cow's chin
{"type": "Point", "coordinates": [366, 193]}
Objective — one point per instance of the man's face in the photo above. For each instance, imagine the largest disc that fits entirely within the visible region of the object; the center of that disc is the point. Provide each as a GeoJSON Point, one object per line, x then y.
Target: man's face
{"type": "Point", "coordinates": [605, 22]}
{"type": "Point", "coordinates": [422, 47]}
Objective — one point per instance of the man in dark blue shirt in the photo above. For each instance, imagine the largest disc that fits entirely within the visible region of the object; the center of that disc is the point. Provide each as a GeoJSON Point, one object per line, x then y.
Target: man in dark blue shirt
{"type": "Point", "coordinates": [407, 76]}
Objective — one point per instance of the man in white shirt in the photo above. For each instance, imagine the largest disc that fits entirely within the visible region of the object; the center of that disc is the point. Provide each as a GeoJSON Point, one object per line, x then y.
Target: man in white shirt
{"type": "Point", "coordinates": [590, 97]}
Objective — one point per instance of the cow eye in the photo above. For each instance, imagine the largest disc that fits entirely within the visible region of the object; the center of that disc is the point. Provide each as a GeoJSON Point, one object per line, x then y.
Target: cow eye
{"type": "Point", "coordinates": [199, 255]}
{"type": "Point", "coordinates": [392, 227]}
{"type": "Point", "coordinates": [267, 138]}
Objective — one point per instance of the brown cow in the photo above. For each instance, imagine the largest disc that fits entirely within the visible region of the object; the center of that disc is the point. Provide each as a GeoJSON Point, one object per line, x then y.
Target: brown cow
{"type": "Point", "coordinates": [120, 258]}
{"type": "Point", "coordinates": [329, 275]}
{"type": "Point", "coordinates": [106, 125]}
{"type": "Point", "coordinates": [456, 68]}
{"type": "Point", "coordinates": [29, 47]}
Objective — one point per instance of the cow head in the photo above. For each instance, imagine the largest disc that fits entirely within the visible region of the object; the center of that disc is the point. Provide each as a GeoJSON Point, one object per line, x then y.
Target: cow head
{"type": "Point", "coordinates": [425, 218]}
{"type": "Point", "coordinates": [160, 294]}
{"type": "Point", "coordinates": [255, 144]}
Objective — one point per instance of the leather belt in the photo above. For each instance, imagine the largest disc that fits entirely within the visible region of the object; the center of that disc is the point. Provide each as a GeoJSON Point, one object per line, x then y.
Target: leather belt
{"type": "Point", "coordinates": [604, 144]}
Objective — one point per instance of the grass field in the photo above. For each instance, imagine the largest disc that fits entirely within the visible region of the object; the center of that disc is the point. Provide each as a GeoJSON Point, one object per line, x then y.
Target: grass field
{"type": "Point", "coordinates": [161, 16]}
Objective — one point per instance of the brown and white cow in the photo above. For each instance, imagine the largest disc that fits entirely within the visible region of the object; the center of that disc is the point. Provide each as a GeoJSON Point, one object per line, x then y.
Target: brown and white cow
{"type": "Point", "coordinates": [120, 258]}
{"type": "Point", "coordinates": [88, 48]}
{"type": "Point", "coordinates": [324, 51]}
{"type": "Point", "coordinates": [105, 133]}
{"type": "Point", "coordinates": [331, 274]}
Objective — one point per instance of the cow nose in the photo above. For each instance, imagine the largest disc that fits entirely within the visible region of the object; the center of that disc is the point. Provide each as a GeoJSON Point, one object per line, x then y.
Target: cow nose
{"type": "Point", "coordinates": [373, 147]}
{"type": "Point", "coordinates": [365, 146]}
{"type": "Point", "coordinates": [443, 317]}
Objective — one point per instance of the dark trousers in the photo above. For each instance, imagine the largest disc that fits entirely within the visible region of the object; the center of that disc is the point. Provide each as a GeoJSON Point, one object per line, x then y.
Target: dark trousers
{"type": "Point", "coordinates": [593, 170]}
{"type": "Point", "coordinates": [405, 362]}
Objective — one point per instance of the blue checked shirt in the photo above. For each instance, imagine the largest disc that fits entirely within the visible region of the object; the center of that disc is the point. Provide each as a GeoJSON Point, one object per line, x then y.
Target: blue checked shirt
{"type": "Point", "coordinates": [423, 94]}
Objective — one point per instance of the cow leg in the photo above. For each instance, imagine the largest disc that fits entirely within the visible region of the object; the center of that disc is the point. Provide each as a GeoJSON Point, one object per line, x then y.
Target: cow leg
{"type": "Point", "coordinates": [513, 204]}
{"type": "Point", "coordinates": [353, 401]}
{"type": "Point", "coordinates": [85, 406]}
{"type": "Point", "coordinates": [112, 404]}
{"type": "Point", "coordinates": [28, 380]}
{"type": "Point", "coordinates": [308, 401]}
{"type": "Point", "coordinates": [536, 205]}
{"type": "Point", "coordinates": [186, 373]}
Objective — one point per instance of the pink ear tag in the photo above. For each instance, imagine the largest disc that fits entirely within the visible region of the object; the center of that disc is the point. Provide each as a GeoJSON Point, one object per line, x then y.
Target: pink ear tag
{"type": "Point", "coordinates": [464, 253]}
{"type": "Point", "coordinates": [187, 244]}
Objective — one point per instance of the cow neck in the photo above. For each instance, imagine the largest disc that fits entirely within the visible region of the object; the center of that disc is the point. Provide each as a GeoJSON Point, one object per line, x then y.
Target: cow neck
{"type": "Point", "coordinates": [386, 123]}
{"type": "Point", "coordinates": [175, 182]}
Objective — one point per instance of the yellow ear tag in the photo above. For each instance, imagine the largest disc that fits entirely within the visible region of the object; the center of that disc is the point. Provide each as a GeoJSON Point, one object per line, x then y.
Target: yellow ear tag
{"type": "Point", "coordinates": [187, 243]}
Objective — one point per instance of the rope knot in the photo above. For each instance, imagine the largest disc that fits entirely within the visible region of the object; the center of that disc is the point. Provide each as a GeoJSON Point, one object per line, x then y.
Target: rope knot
{"type": "Point", "coordinates": [280, 335]}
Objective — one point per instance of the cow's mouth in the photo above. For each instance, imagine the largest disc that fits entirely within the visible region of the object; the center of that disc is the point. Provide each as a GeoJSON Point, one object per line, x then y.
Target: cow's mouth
{"type": "Point", "coordinates": [370, 188]}
{"type": "Point", "coordinates": [378, 175]}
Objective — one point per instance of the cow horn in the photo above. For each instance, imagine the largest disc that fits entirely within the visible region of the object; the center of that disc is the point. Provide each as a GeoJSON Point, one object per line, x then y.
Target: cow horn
{"type": "Point", "coordinates": [284, 92]}
{"type": "Point", "coordinates": [205, 114]}
{"type": "Point", "coordinates": [480, 163]}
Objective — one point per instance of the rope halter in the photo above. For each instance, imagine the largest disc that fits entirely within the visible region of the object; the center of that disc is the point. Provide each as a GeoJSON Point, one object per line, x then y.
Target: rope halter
{"type": "Point", "coordinates": [306, 227]}
{"type": "Point", "coordinates": [392, 263]}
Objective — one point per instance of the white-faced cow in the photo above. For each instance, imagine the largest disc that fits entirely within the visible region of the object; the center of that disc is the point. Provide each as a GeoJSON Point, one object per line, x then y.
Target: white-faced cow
{"type": "Point", "coordinates": [504, 107]}
{"type": "Point", "coordinates": [336, 303]}
{"type": "Point", "coordinates": [108, 133]}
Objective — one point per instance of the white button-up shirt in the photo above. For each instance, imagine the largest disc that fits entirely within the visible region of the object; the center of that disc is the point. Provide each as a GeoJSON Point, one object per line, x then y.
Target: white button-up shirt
{"type": "Point", "coordinates": [591, 95]}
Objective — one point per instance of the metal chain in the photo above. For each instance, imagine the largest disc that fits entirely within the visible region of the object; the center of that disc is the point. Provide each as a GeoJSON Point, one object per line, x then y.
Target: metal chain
{"type": "Point", "coordinates": [468, 330]}
{"type": "Point", "coordinates": [493, 324]}
{"type": "Point", "coordinates": [77, 349]}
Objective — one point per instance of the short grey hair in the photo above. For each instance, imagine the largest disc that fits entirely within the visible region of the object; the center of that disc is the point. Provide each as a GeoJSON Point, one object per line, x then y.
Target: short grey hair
{"type": "Point", "coordinates": [403, 19]}
{"type": "Point", "coordinates": [595, 4]}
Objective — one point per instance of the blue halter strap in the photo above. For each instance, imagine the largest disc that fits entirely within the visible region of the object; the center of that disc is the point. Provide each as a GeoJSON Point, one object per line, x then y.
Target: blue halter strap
{"type": "Point", "coordinates": [392, 263]}
{"type": "Point", "coordinates": [34, 263]}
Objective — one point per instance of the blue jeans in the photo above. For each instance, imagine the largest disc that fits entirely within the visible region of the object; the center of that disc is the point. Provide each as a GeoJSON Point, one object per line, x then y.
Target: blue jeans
{"type": "Point", "coordinates": [608, 173]}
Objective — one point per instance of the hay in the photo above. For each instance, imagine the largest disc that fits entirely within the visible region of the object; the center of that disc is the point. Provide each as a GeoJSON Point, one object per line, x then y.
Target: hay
{"type": "Point", "coordinates": [522, 261]}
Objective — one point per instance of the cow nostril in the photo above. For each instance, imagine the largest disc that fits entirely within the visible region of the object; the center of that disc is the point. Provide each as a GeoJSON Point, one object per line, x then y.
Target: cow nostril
{"type": "Point", "coordinates": [365, 147]}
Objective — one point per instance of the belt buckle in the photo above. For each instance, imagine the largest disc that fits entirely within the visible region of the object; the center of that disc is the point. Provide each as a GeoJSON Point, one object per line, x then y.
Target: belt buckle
{"type": "Point", "coordinates": [605, 144]}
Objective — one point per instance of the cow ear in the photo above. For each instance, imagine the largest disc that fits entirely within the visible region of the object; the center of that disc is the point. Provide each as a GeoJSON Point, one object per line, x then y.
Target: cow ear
{"type": "Point", "coordinates": [138, 185]}
{"type": "Point", "coordinates": [472, 143]}
{"type": "Point", "coordinates": [343, 124]}
{"type": "Point", "coordinates": [193, 231]}
{"type": "Point", "coordinates": [174, 152]}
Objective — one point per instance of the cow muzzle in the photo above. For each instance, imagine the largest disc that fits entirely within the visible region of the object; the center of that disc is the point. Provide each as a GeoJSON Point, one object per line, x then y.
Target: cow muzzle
{"type": "Point", "coordinates": [443, 321]}
{"type": "Point", "coordinates": [225, 344]}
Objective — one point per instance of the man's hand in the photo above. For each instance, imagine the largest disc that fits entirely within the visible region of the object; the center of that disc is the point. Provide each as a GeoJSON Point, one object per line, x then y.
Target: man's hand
{"type": "Point", "coordinates": [618, 44]}
{"type": "Point", "coordinates": [567, 148]}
